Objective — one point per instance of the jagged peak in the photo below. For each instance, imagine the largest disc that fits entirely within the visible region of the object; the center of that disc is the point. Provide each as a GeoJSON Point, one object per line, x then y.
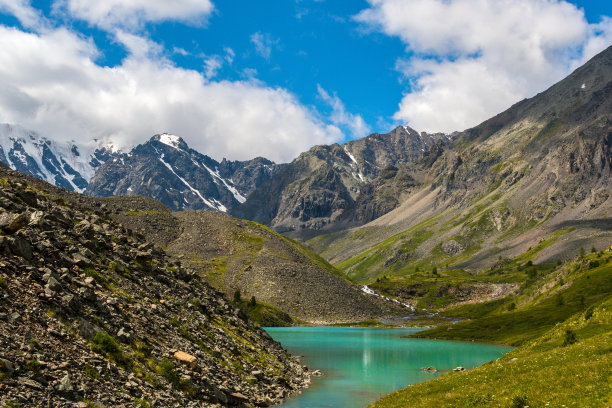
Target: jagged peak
{"type": "Point", "coordinates": [170, 140]}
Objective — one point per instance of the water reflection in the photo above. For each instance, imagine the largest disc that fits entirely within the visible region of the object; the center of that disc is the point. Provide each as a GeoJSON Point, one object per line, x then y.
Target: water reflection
{"type": "Point", "coordinates": [361, 364]}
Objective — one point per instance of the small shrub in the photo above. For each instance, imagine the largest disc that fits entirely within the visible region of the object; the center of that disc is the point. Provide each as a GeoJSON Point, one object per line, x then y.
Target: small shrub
{"type": "Point", "coordinates": [560, 301]}
{"type": "Point", "coordinates": [35, 343]}
{"type": "Point", "coordinates": [34, 366]}
{"type": "Point", "coordinates": [106, 344]}
{"type": "Point", "coordinates": [141, 403]}
{"type": "Point", "coordinates": [570, 337]}
{"type": "Point", "coordinates": [511, 306]}
{"type": "Point", "coordinates": [593, 264]}
{"type": "Point", "coordinates": [593, 249]}
{"type": "Point", "coordinates": [589, 313]}
{"type": "Point", "coordinates": [237, 296]}
{"type": "Point", "coordinates": [520, 401]}
{"type": "Point", "coordinates": [253, 302]}
{"type": "Point", "coordinates": [3, 284]}
{"type": "Point", "coordinates": [582, 252]}
{"type": "Point", "coordinates": [434, 271]}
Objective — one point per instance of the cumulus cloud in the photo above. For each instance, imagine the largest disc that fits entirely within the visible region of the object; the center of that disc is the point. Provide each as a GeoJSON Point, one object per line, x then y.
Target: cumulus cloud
{"type": "Point", "coordinates": [340, 117]}
{"type": "Point", "coordinates": [470, 59]}
{"type": "Point", "coordinates": [50, 83]}
{"type": "Point", "coordinates": [21, 9]}
{"type": "Point", "coordinates": [263, 44]}
{"type": "Point", "coordinates": [134, 13]}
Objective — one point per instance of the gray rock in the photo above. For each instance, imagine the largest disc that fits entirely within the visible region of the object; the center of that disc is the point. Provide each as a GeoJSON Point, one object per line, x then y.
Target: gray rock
{"type": "Point", "coordinates": [124, 335]}
{"type": "Point", "coordinates": [53, 284]}
{"type": "Point", "coordinates": [29, 383]}
{"type": "Point", "coordinates": [87, 329]}
{"type": "Point", "coordinates": [65, 386]}
{"type": "Point", "coordinates": [12, 223]}
{"type": "Point", "coordinates": [72, 302]}
{"type": "Point", "coordinates": [20, 246]}
{"type": "Point", "coordinates": [6, 367]}
{"type": "Point", "coordinates": [452, 247]}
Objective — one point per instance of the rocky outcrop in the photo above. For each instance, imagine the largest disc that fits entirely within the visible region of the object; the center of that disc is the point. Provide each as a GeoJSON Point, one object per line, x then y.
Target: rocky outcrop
{"type": "Point", "coordinates": [92, 313]}
{"type": "Point", "coordinates": [311, 194]}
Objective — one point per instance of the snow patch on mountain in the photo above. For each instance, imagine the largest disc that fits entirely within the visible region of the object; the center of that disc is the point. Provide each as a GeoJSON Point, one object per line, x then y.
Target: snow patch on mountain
{"type": "Point", "coordinates": [170, 140]}
{"type": "Point", "coordinates": [69, 165]}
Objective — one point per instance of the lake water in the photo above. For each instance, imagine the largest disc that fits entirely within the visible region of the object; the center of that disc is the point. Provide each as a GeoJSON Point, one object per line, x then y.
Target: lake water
{"type": "Point", "coordinates": [360, 365]}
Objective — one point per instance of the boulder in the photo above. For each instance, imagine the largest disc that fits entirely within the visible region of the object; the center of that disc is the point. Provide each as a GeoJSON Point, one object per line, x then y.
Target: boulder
{"type": "Point", "coordinates": [430, 369]}
{"type": "Point", "coordinates": [185, 358]}
{"type": "Point", "coordinates": [11, 223]}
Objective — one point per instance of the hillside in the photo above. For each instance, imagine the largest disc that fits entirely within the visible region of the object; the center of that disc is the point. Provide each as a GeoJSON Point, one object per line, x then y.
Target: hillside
{"type": "Point", "coordinates": [535, 179]}
{"type": "Point", "coordinates": [93, 315]}
{"type": "Point", "coordinates": [563, 324]}
{"type": "Point", "coordinates": [235, 254]}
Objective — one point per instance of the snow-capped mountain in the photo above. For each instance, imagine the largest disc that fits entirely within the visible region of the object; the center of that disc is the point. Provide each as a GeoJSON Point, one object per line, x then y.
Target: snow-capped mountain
{"type": "Point", "coordinates": [69, 165]}
{"type": "Point", "coordinates": [167, 169]}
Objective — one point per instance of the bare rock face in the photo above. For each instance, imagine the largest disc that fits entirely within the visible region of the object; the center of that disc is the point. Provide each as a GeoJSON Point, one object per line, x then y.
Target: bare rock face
{"type": "Point", "coordinates": [310, 195]}
{"type": "Point", "coordinates": [89, 310]}
{"type": "Point", "coordinates": [452, 247]}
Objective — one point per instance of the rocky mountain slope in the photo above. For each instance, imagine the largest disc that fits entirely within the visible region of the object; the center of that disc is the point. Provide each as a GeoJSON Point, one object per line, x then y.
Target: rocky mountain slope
{"type": "Point", "coordinates": [91, 314]}
{"type": "Point", "coordinates": [166, 169]}
{"type": "Point", "coordinates": [235, 254]}
{"type": "Point", "coordinates": [535, 179]}
{"type": "Point", "coordinates": [67, 165]}
{"type": "Point", "coordinates": [311, 193]}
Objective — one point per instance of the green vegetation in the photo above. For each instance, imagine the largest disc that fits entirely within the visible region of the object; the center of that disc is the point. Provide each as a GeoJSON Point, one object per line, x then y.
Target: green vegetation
{"type": "Point", "coordinates": [264, 314]}
{"type": "Point", "coordinates": [105, 344]}
{"type": "Point", "coordinates": [535, 311]}
{"type": "Point", "coordinates": [561, 320]}
{"type": "Point", "coordinates": [541, 373]}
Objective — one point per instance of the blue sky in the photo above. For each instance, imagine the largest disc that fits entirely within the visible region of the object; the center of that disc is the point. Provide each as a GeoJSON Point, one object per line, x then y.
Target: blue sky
{"type": "Point", "coordinates": [241, 78]}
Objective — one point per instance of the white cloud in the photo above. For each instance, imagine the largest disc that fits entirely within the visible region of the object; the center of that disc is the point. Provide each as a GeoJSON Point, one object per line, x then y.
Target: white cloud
{"type": "Point", "coordinates": [473, 58]}
{"type": "Point", "coordinates": [50, 83]}
{"type": "Point", "coordinates": [22, 11]}
{"type": "Point", "coordinates": [229, 55]}
{"type": "Point", "coordinates": [134, 13]}
{"type": "Point", "coordinates": [340, 117]}
{"type": "Point", "coordinates": [212, 65]}
{"type": "Point", "coordinates": [263, 44]}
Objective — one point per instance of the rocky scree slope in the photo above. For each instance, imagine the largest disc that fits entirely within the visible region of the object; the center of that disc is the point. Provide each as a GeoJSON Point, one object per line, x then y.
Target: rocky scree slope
{"type": "Point", "coordinates": [234, 254]}
{"type": "Point", "coordinates": [93, 315]}
{"type": "Point", "coordinates": [67, 165]}
{"type": "Point", "coordinates": [310, 194]}
{"type": "Point", "coordinates": [539, 172]}
{"type": "Point", "coordinates": [167, 169]}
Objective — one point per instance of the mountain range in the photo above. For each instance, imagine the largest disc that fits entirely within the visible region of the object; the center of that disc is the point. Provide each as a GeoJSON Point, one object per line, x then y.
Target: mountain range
{"type": "Point", "coordinates": [533, 179]}
{"type": "Point", "coordinates": [69, 165]}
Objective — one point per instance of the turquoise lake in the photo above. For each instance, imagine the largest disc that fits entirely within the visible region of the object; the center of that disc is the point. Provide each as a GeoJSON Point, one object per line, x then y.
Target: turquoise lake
{"type": "Point", "coordinates": [360, 365]}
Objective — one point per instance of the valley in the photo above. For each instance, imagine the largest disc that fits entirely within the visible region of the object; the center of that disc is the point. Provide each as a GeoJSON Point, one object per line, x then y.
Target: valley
{"type": "Point", "coordinates": [151, 288]}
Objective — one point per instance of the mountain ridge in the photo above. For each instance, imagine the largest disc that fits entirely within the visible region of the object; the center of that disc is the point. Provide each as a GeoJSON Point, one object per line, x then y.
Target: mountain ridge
{"type": "Point", "coordinates": [167, 169]}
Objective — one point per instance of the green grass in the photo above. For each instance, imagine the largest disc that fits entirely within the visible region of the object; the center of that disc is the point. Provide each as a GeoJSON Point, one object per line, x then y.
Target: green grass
{"type": "Point", "coordinates": [542, 373]}
{"type": "Point", "coordinates": [587, 287]}
{"type": "Point", "coordinates": [265, 315]}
